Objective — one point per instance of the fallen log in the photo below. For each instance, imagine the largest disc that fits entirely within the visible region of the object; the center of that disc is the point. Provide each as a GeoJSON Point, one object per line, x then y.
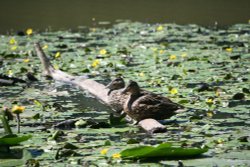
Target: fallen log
{"type": "Point", "coordinates": [152, 126]}
{"type": "Point", "coordinates": [96, 89]}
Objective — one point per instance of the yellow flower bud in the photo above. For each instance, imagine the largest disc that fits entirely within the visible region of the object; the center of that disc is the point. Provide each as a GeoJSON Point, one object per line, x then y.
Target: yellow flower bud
{"type": "Point", "coordinates": [172, 57]}
{"type": "Point", "coordinates": [116, 155]}
{"type": "Point", "coordinates": [104, 151]}
{"type": "Point", "coordinates": [183, 55]}
{"type": "Point", "coordinates": [159, 28]}
{"type": "Point", "coordinates": [103, 52]}
{"type": "Point", "coordinates": [229, 49]}
{"type": "Point", "coordinates": [95, 63]}
{"type": "Point", "coordinates": [18, 109]}
{"type": "Point", "coordinates": [45, 47]}
{"type": "Point", "coordinates": [141, 74]}
{"type": "Point", "coordinates": [13, 48]}
{"type": "Point", "coordinates": [161, 51]}
{"type": "Point", "coordinates": [210, 114]}
{"type": "Point", "coordinates": [26, 60]}
{"type": "Point", "coordinates": [173, 91]}
{"type": "Point", "coordinates": [12, 41]}
{"type": "Point", "coordinates": [57, 55]}
{"type": "Point", "coordinates": [10, 73]}
{"type": "Point", "coordinates": [29, 31]}
{"type": "Point", "coordinates": [210, 101]}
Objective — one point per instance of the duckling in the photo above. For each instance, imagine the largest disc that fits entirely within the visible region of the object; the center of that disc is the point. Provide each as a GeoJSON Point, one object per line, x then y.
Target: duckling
{"type": "Point", "coordinates": [116, 100]}
{"type": "Point", "coordinates": [143, 104]}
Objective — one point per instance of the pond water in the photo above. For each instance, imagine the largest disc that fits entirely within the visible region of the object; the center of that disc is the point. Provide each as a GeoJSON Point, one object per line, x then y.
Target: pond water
{"type": "Point", "coordinates": [63, 14]}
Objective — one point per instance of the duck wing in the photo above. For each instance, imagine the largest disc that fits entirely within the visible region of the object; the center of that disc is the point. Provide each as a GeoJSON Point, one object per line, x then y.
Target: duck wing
{"type": "Point", "coordinates": [156, 103]}
{"type": "Point", "coordinates": [152, 99]}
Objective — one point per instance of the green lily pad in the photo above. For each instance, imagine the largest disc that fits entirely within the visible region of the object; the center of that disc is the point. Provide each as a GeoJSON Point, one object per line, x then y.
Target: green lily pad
{"type": "Point", "coordinates": [164, 150]}
{"type": "Point", "coordinates": [11, 140]}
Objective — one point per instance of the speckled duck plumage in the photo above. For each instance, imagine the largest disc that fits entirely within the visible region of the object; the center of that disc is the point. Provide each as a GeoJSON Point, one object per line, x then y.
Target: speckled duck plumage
{"type": "Point", "coordinates": [116, 100]}
{"type": "Point", "coordinates": [143, 104]}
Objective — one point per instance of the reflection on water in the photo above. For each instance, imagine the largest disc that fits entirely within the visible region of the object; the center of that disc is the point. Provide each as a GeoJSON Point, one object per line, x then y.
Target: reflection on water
{"type": "Point", "coordinates": [65, 14]}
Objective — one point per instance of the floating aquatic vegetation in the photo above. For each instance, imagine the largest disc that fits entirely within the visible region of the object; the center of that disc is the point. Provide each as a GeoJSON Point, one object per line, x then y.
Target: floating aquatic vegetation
{"type": "Point", "coordinates": [206, 70]}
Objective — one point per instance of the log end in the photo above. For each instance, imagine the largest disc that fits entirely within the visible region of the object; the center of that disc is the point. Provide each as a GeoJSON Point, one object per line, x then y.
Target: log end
{"type": "Point", "coordinates": [152, 126]}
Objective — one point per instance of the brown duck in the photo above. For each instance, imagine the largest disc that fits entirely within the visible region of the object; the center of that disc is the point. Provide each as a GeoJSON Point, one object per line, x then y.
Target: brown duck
{"type": "Point", "coordinates": [143, 104]}
{"type": "Point", "coordinates": [116, 100]}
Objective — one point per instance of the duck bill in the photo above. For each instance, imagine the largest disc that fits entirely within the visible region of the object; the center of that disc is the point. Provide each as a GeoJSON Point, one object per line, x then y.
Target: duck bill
{"type": "Point", "coordinates": [125, 90]}
{"type": "Point", "coordinates": [107, 86]}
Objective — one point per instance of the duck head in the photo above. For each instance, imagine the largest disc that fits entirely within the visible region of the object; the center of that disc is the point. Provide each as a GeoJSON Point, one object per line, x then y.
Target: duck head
{"type": "Point", "coordinates": [132, 88]}
{"type": "Point", "coordinates": [115, 84]}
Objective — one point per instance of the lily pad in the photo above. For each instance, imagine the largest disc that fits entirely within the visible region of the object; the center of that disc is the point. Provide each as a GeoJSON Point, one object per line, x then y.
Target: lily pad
{"type": "Point", "coordinates": [164, 150]}
{"type": "Point", "coordinates": [11, 140]}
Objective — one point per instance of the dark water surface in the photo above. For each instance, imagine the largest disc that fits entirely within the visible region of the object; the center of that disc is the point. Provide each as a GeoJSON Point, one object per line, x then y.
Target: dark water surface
{"type": "Point", "coordinates": [69, 14]}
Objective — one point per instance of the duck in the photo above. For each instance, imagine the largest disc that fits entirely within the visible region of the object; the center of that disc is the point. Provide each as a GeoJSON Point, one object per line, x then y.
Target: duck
{"type": "Point", "coordinates": [143, 104]}
{"type": "Point", "coordinates": [115, 84]}
{"type": "Point", "coordinates": [116, 100]}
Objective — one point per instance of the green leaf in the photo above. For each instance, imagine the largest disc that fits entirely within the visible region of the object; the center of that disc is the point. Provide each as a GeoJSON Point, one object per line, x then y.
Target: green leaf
{"type": "Point", "coordinates": [12, 140]}
{"type": "Point", "coordinates": [164, 150]}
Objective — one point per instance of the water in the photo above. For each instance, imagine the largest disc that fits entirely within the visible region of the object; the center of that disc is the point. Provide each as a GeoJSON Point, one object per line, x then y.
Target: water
{"type": "Point", "coordinates": [64, 14]}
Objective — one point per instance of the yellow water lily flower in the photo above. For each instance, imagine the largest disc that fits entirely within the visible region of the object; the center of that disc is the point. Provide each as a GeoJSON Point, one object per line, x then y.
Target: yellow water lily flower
{"type": "Point", "coordinates": [103, 51]}
{"type": "Point", "coordinates": [26, 60]}
{"type": "Point", "coordinates": [172, 57]}
{"type": "Point", "coordinates": [116, 155]}
{"type": "Point", "coordinates": [12, 41]}
{"type": "Point", "coordinates": [161, 51]}
{"type": "Point", "coordinates": [210, 101]}
{"type": "Point", "coordinates": [229, 49]}
{"type": "Point", "coordinates": [210, 114]}
{"type": "Point", "coordinates": [173, 91]}
{"type": "Point", "coordinates": [159, 28]}
{"type": "Point", "coordinates": [217, 93]}
{"type": "Point", "coordinates": [183, 55]}
{"type": "Point", "coordinates": [219, 141]}
{"type": "Point", "coordinates": [13, 48]}
{"type": "Point", "coordinates": [18, 109]}
{"type": "Point", "coordinates": [29, 31]}
{"type": "Point", "coordinates": [45, 47]}
{"type": "Point", "coordinates": [57, 55]}
{"type": "Point", "coordinates": [10, 73]}
{"type": "Point", "coordinates": [141, 74]}
{"type": "Point", "coordinates": [95, 63]}
{"type": "Point", "coordinates": [104, 151]}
